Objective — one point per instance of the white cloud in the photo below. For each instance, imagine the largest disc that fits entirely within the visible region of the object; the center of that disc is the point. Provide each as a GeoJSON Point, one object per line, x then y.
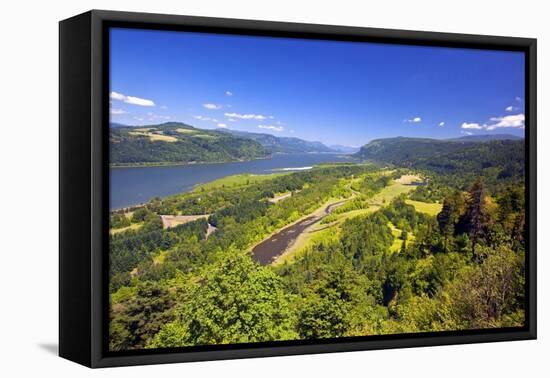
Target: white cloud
{"type": "Point", "coordinates": [228, 93]}
{"type": "Point", "coordinates": [513, 121]}
{"type": "Point", "coordinates": [466, 132]}
{"type": "Point", "coordinates": [473, 125]}
{"type": "Point", "coordinates": [212, 106]}
{"type": "Point", "coordinates": [511, 108]}
{"type": "Point", "coordinates": [164, 107]}
{"type": "Point", "coordinates": [413, 120]}
{"type": "Point", "coordinates": [519, 99]}
{"type": "Point", "coordinates": [138, 101]}
{"type": "Point", "coordinates": [117, 96]}
{"type": "Point", "coordinates": [115, 111]}
{"type": "Point", "coordinates": [222, 125]}
{"type": "Point", "coordinates": [245, 116]}
{"type": "Point", "coordinates": [509, 121]}
{"type": "Point", "coordinates": [271, 127]}
{"type": "Point", "coordinates": [131, 99]}
{"type": "Point", "coordinates": [441, 124]}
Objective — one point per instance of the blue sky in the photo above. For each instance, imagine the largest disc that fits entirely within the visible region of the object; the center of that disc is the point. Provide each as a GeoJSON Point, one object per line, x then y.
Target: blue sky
{"type": "Point", "coordinates": [334, 92]}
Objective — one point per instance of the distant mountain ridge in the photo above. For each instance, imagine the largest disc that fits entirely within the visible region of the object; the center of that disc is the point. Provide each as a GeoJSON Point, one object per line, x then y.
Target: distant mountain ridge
{"type": "Point", "coordinates": [344, 149]}
{"type": "Point", "coordinates": [277, 144]}
{"type": "Point", "coordinates": [272, 143]}
{"type": "Point", "coordinates": [486, 137]}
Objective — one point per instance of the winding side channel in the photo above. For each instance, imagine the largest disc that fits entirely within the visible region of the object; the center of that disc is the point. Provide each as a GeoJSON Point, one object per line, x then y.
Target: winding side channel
{"type": "Point", "coordinates": [274, 246]}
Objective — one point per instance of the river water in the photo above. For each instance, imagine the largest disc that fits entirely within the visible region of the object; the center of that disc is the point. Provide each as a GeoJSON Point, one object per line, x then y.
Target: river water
{"type": "Point", "coordinates": [132, 186]}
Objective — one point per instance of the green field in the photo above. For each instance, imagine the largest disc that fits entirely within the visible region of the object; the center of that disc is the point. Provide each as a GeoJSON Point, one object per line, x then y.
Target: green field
{"type": "Point", "coordinates": [236, 181]}
{"type": "Point", "coordinates": [321, 231]}
{"type": "Point", "coordinates": [425, 207]}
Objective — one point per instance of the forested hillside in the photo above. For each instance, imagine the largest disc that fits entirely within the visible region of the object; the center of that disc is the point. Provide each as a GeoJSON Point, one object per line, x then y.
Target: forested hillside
{"type": "Point", "coordinates": [452, 164]}
{"type": "Point", "coordinates": [447, 156]}
{"type": "Point", "coordinates": [286, 145]}
{"type": "Point", "coordinates": [378, 262]}
{"type": "Point", "coordinates": [177, 143]}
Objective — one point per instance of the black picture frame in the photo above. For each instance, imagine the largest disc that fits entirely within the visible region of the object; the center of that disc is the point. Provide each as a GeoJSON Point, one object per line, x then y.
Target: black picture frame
{"type": "Point", "coordinates": [84, 186]}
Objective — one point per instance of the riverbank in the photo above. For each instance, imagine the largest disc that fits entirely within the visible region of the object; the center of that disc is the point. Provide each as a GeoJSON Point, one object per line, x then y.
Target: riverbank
{"type": "Point", "coordinates": [187, 163]}
{"type": "Point", "coordinates": [138, 185]}
{"type": "Point", "coordinates": [315, 230]}
{"type": "Point", "coordinates": [275, 245]}
{"type": "Point", "coordinates": [176, 164]}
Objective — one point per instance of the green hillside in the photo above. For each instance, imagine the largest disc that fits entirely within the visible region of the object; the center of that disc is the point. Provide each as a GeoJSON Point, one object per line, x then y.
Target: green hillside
{"type": "Point", "coordinates": [505, 157]}
{"type": "Point", "coordinates": [286, 145]}
{"type": "Point", "coordinates": [178, 143]}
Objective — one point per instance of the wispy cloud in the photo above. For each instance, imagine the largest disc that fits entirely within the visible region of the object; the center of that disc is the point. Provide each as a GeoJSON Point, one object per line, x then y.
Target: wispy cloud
{"type": "Point", "coordinates": [466, 132]}
{"type": "Point", "coordinates": [271, 127]}
{"type": "Point", "coordinates": [519, 99]}
{"type": "Point", "coordinates": [131, 99]}
{"type": "Point", "coordinates": [212, 106]}
{"type": "Point", "coordinates": [228, 93]}
{"type": "Point", "coordinates": [206, 119]}
{"type": "Point", "coordinates": [222, 125]}
{"type": "Point", "coordinates": [472, 126]}
{"type": "Point", "coordinates": [441, 124]}
{"type": "Point", "coordinates": [115, 111]}
{"type": "Point", "coordinates": [245, 116]}
{"type": "Point", "coordinates": [511, 108]}
{"type": "Point", "coordinates": [154, 117]}
{"type": "Point", "coordinates": [414, 120]}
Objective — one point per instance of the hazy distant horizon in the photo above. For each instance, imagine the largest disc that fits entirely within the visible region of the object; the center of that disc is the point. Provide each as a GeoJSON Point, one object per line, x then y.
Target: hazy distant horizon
{"type": "Point", "coordinates": [326, 144]}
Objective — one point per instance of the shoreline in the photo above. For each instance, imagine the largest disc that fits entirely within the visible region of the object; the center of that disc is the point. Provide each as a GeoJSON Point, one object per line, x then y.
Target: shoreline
{"type": "Point", "coordinates": [181, 164]}
{"type": "Point", "coordinates": [178, 164]}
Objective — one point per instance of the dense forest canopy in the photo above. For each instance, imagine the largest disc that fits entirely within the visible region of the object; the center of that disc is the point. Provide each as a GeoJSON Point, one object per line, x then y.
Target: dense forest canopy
{"type": "Point", "coordinates": [431, 237]}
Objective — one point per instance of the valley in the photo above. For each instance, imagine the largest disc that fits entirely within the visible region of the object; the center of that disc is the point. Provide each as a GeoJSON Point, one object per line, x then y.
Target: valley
{"type": "Point", "coordinates": [366, 246]}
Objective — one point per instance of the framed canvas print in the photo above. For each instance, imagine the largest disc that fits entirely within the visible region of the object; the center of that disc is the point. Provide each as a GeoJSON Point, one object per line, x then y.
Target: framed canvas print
{"type": "Point", "coordinates": [233, 188]}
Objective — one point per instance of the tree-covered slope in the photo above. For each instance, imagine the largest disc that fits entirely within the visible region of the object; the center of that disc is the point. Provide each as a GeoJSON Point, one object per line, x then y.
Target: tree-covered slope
{"type": "Point", "coordinates": [448, 156]}
{"type": "Point", "coordinates": [287, 145]}
{"type": "Point", "coordinates": [178, 143]}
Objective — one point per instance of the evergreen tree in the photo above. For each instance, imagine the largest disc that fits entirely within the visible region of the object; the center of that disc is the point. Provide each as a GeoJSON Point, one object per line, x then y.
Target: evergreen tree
{"type": "Point", "coordinates": [474, 212]}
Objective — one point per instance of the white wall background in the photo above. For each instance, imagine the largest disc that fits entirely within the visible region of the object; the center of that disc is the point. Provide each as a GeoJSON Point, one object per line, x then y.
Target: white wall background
{"type": "Point", "coordinates": [29, 186]}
